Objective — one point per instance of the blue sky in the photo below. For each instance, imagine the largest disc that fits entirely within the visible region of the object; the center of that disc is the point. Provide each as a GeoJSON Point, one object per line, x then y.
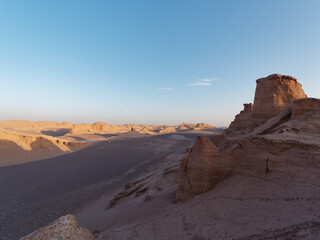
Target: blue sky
{"type": "Point", "coordinates": [153, 62]}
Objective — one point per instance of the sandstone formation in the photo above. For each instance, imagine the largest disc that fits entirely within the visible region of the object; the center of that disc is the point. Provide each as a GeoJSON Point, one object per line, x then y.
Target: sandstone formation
{"type": "Point", "coordinates": [98, 127]}
{"type": "Point", "coordinates": [241, 120]}
{"type": "Point", "coordinates": [202, 169]}
{"type": "Point", "coordinates": [30, 142]}
{"type": "Point", "coordinates": [282, 118]}
{"type": "Point", "coordinates": [186, 126]}
{"type": "Point", "coordinates": [64, 228]}
{"type": "Point", "coordinates": [273, 95]}
{"type": "Point", "coordinates": [203, 126]}
{"type": "Point", "coordinates": [104, 128]}
{"type": "Point", "coordinates": [167, 129]}
{"type": "Point", "coordinates": [305, 105]}
{"type": "Point", "coordinates": [147, 131]}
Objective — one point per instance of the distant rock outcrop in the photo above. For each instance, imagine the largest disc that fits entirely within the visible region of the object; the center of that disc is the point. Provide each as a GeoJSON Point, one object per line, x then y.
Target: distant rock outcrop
{"type": "Point", "coordinates": [28, 125]}
{"type": "Point", "coordinates": [202, 169]}
{"type": "Point", "coordinates": [203, 126]}
{"type": "Point", "coordinates": [31, 142]}
{"type": "Point", "coordinates": [98, 127]}
{"type": "Point", "coordinates": [167, 129]}
{"type": "Point", "coordinates": [63, 228]}
{"type": "Point", "coordinates": [186, 126]}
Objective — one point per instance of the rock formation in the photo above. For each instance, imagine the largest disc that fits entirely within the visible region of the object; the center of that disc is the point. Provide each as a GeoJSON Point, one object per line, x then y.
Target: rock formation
{"type": "Point", "coordinates": [29, 142]}
{"type": "Point", "coordinates": [203, 126]}
{"type": "Point", "coordinates": [167, 129]}
{"type": "Point", "coordinates": [305, 105]}
{"type": "Point", "coordinates": [186, 126]}
{"type": "Point", "coordinates": [98, 127]}
{"type": "Point", "coordinates": [63, 228]}
{"type": "Point", "coordinates": [202, 169]}
{"type": "Point", "coordinates": [273, 95]}
{"type": "Point", "coordinates": [241, 120]}
{"type": "Point", "coordinates": [271, 126]}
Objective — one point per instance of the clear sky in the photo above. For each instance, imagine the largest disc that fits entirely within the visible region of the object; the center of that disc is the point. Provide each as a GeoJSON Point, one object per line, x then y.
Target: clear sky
{"type": "Point", "coordinates": [154, 62]}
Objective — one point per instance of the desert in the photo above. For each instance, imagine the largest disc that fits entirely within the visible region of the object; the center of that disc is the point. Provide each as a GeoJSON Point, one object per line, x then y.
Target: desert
{"type": "Point", "coordinates": [188, 181]}
{"type": "Point", "coordinates": [49, 169]}
{"type": "Point", "coordinates": [162, 120]}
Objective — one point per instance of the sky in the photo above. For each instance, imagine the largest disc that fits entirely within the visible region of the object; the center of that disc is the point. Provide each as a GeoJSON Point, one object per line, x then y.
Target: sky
{"type": "Point", "coordinates": [150, 62]}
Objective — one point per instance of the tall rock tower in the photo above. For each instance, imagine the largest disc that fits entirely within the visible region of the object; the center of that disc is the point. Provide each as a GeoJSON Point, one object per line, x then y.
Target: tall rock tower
{"type": "Point", "coordinates": [273, 95]}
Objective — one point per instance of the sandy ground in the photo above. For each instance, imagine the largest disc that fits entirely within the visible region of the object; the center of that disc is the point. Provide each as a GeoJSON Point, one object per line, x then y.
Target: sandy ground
{"type": "Point", "coordinates": [282, 204]}
{"type": "Point", "coordinates": [35, 193]}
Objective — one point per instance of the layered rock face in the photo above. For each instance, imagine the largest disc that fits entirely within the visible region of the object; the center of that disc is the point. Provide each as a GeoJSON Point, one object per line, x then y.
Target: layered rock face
{"type": "Point", "coordinates": [98, 127]}
{"type": "Point", "coordinates": [305, 105]}
{"type": "Point", "coordinates": [63, 228]}
{"type": "Point", "coordinates": [202, 169]}
{"type": "Point", "coordinates": [273, 95]}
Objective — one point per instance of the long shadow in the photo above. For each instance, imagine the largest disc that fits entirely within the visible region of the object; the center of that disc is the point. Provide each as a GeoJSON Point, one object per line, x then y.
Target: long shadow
{"type": "Point", "coordinates": [78, 138]}
{"type": "Point", "coordinates": [9, 143]}
{"type": "Point", "coordinates": [19, 155]}
{"type": "Point", "coordinates": [107, 135]}
{"type": "Point", "coordinates": [56, 133]}
{"type": "Point", "coordinates": [102, 135]}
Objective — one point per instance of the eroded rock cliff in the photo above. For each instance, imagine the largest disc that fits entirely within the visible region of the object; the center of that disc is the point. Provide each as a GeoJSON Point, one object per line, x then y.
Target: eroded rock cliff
{"type": "Point", "coordinates": [281, 120]}
{"type": "Point", "coordinates": [273, 95]}
{"type": "Point", "coordinates": [305, 105]}
{"type": "Point", "coordinates": [202, 169]}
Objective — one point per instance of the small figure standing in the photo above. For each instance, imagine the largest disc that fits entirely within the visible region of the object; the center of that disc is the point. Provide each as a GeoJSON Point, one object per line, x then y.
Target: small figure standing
{"type": "Point", "coordinates": [267, 165]}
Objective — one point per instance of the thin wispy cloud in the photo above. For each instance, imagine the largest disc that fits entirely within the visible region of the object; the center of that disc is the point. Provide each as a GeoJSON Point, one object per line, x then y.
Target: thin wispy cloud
{"type": "Point", "coordinates": [202, 82]}
{"type": "Point", "coordinates": [165, 89]}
